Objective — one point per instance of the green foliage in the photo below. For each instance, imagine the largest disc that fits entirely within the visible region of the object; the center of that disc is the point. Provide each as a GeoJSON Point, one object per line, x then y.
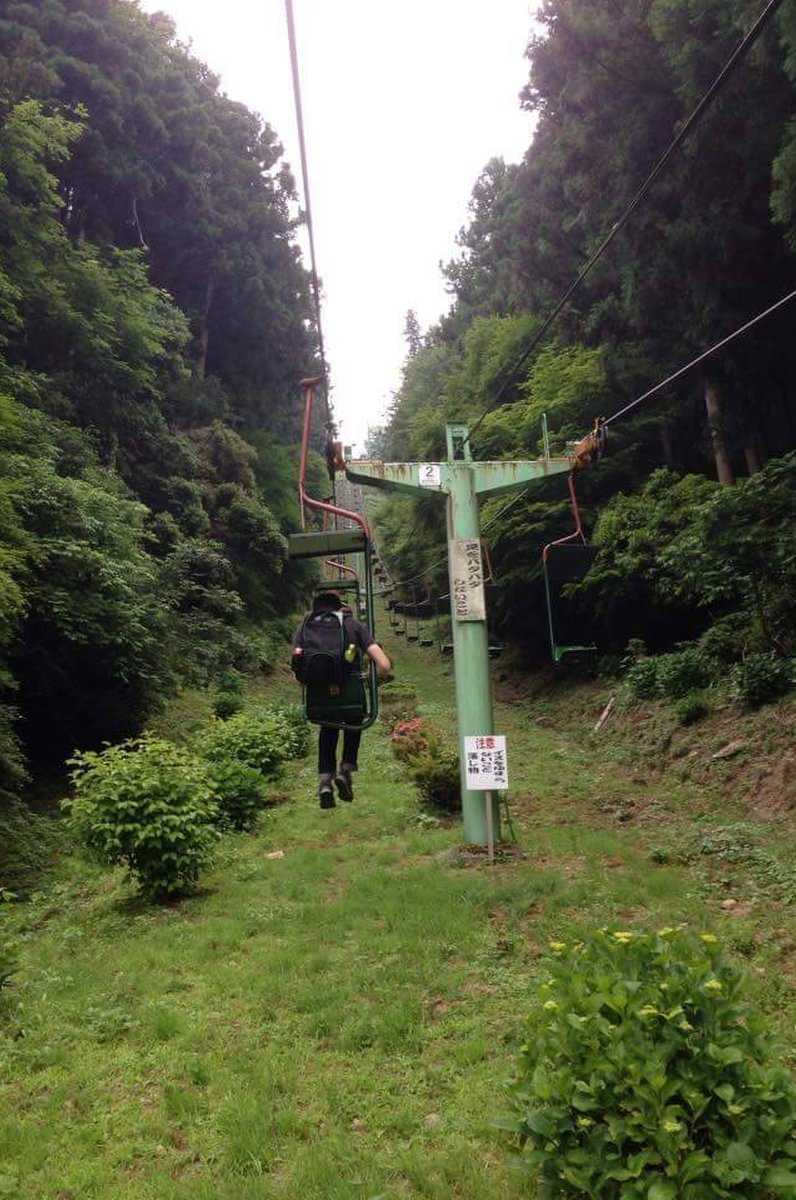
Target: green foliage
{"type": "Point", "coordinates": [681, 673]}
{"type": "Point", "coordinates": [672, 676]}
{"type": "Point", "coordinates": [297, 729]}
{"type": "Point", "coordinates": [691, 707]}
{"type": "Point", "coordinates": [433, 767]}
{"type": "Point", "coordinates": [435, 774]}
{"type": "Point", "coordinates": [30, 843]}
{"type": "Point", "coordinates": [147, 805]}
{"type": "Point", "coordinates": [642, 679]}
{"type": "Point", "coordinates": [762, 677]}
{"type": "Point", "coordinates": [262, 739]}
{"type": "Point", "coordinates": [240, 790]}
{"type": "Point", "coordinates": [646, 1076]}
{"type": "Point", "coordinates": [226, 704]}
{"type": "Point", "coordinates": [9, 960]}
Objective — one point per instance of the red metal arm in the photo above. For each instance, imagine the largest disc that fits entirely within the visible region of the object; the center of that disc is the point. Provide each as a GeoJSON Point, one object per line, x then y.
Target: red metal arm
{"type": "Point", "coordinates": [306, 501]}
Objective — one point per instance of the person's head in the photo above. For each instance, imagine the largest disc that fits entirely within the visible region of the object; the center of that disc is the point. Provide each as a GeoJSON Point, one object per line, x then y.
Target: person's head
{"type": "Point", "coordinates": [327, 602]}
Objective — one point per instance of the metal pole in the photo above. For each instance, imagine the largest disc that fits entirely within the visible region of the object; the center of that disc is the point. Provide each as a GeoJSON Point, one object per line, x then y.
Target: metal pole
{"type": "Point", "coordinates": [490, 827]}
{"type": "Point", "coordinates": [471, 659]}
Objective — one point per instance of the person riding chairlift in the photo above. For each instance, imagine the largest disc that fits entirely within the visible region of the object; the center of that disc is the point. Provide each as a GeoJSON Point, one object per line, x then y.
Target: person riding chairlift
{"type": "Point", "coordinates": [362, 639]}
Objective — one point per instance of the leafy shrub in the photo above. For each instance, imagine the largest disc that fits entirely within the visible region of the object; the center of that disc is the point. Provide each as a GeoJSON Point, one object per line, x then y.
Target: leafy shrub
{"type": "Point", "coordinates": [691, 708]}
{"type": "Point", "coordinates": [397, 703]}
{"type": "Point", "coordinates": [226, 704]}
{"type": "Point", "coordinates": [409, 739]}
{"type": "Point", "coordinates": [148, 805]}
{"type": "Point", "coordinates": [642, 679]}
{"type": "Point", "coordinates": [8, 950]}
{"type": "Point", "coordinates": [645, 1076]}
{"type": "Point", "coordinates": [435, 774]}
{"type": "Point", "coordinates": [240, 791]}
{"type": "Point", "coordinates": [297, 729]}
{"type": "Point", "coordinates": [256, 740]}
{"type": "Point", "coordinates": [30, 842]}
{"type": "Point", "coordinates": [434, 769]}
{"type": "Point", "coordinates": [682, 672]}
{"type": "Point", "coordinates": [671, 675]}
{"type": "Point", "coordinates": [760, 678]}
{"type": "Point", "coordinates": [232, 682]}
{"type": "Point", "coordinates": [729, 639]}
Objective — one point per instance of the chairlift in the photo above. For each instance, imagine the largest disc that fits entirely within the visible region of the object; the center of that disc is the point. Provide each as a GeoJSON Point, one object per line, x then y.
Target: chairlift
{"type": "Point", "coordinates": [415, 636]}
{"type": "Point", "coordinates": [564, 561]}
{"type": "Point", "coordinates": [354, 704]}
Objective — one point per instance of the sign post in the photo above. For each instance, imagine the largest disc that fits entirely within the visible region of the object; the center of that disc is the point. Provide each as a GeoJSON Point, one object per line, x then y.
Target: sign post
{"type": "Point", "coordinates": [462, 482]}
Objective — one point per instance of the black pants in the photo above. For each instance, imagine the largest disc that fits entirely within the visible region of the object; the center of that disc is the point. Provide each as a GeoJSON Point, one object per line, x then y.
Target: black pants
{"type": "Point", "coordinates": [327, 748]}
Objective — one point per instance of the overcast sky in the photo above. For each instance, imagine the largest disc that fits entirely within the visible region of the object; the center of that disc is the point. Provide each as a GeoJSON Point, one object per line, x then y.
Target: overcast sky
{"type": "Point", "coordinates": [404, 103]}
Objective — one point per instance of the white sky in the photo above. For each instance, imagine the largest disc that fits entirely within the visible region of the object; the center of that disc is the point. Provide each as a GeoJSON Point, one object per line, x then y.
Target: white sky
{"type": "Point", "coordinates": [404, 103]}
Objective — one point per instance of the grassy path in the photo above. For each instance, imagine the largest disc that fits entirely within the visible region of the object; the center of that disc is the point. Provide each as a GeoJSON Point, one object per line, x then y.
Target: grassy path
{"type": "Point", "coordinates": [334, 1023]}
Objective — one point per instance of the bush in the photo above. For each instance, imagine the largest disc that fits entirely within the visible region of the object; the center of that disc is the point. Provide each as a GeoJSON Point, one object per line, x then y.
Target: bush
{"type": "Point", "coordinates": [240, 790]}
{"type": "Point", "coordinates": [258, 740]}
{"type": "Point", "coordinates": [435, 774]}
{"type": "Point", "coordinates": [226, 704]}
{"type": "Point", "coordinates": [433, 768]}
{"type": "Point", "coordinates": [148, 805]}
{"type": "Point", "coordinates": [30, 842]}
{"type": "Point", "coordinates": [642, 679]}
{"type": "Point", "coordinates": [670, 675]}
{"type": "Point", "coordinates": [232, 682]}
{"type": "Point", "coordinates": [760, 678]}
{"type": "Point", "coordinates": [297, 729]}
{"type": "Point", "coordinates": [8, 950]}
{"type": "Point", "coordinates": [691, 708]}
{"type": "Point", "coordinates": [645, 1076]}
{"type": "Point", "coordinates": [682, 672]}
{"type": "Point", "coordinates": [409, 739]}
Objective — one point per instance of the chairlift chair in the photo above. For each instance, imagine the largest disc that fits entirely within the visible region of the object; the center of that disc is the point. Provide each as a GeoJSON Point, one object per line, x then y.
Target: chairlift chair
{"type": "Point", "coordinates": [354, 704]}
{"type": "Point", "coordinates": [564, 561]}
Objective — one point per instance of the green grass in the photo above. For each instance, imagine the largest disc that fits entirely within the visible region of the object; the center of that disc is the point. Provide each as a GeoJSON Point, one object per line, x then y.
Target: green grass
{"type": "Point", "coordinates": [337, 1023]}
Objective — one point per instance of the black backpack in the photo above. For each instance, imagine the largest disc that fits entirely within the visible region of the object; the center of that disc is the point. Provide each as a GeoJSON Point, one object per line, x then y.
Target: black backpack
{"type": "Point", "coordinates": [322, 642]}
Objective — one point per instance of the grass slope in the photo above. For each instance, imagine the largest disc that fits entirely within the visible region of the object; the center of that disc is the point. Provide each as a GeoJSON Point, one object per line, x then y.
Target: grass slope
{"type": "Point", "coordinates": [336, 1023]}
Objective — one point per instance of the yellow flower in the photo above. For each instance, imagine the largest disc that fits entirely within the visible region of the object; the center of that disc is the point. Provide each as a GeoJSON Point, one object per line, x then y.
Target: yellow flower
{"type": "Point", "coordinates": [624, 936]}
{"type": "Point", "coordinates": [585, 1122]}
{"type": "Point", "coordinates": [557, 946]}
{"type": "Point", "coordinates": [550, 1005]}
{"type": "Point", "coordinates": [710, 938]}
{"type": "Point", "coordinates": [713, 985]}
{"type": "Point", "coordinates": [649, 1010]}
{"type": "Point", "coordinates": [664, 987]}
{"type": "Point", "coordinates": [666, 931]}
{"type": "Point", "coordinates": [686, 1026]}
{"type": "Point", "coordinates": [672, 1126]}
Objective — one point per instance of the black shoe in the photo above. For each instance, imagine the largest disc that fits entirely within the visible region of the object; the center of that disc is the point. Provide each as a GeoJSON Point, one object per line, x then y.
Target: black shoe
{"type": "Point", "coordinates": [344, 785]}
{"type": "Point", "coordinates": [327, 797]}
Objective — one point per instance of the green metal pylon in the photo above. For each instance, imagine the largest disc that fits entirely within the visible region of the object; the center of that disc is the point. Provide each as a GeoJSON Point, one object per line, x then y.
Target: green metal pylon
{"type": "Point", "coordinates": [462, 482]}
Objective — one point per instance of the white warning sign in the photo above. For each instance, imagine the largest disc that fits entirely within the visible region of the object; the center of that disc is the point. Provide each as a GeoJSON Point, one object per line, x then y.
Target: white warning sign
{"type": "Point", "coordinates": [486, 763]}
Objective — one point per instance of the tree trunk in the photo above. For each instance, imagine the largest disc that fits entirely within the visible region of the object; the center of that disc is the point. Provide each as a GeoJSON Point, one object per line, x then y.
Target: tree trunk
{"type": "Point", "coordinates": [666, 447]}
{"type": "Point", "coordinates": [204, 332]}
{"type": "Point", "coordinates": [713, 404]}
{"type": "Point", "coordinates": [752, 452]}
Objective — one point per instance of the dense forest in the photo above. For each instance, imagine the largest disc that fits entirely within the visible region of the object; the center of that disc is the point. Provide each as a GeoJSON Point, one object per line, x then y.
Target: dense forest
{"type": "Point", "coordinates": [693, 505]}
{"type": "Point", "coordinates": [154, 322]}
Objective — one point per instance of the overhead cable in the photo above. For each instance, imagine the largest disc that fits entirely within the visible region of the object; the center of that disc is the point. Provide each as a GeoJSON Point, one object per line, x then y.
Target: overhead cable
{"type": "Point", "coordinates": [659, 387]}
{"type": "Point", "coordinates": [732, 62]}
{"type": "Point", "coordinates": [294, 64]}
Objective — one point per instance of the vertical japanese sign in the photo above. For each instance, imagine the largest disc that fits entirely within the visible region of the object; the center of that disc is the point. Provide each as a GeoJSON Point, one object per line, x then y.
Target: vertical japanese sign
{"type": "Point", "coordinates": [468, 602]}
{"type": "Point", "coordinates": [486, 763]}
